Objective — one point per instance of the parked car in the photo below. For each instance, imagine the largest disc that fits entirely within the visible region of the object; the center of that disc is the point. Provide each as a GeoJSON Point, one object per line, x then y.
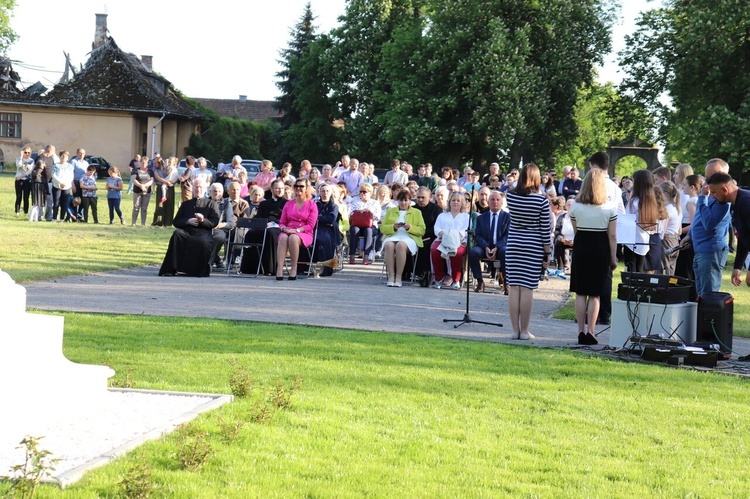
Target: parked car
{"type": "Point", "coordinates": [252, 166]}
{"type": "Point", "coordinates": [380, 173]}
{"type": "Point", "coordinates": [101, 164]}
{"type": "Point", "coordinates": [209, 166]}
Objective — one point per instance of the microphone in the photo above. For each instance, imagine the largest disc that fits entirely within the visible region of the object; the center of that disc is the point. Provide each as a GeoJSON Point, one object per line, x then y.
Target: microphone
{"type": "Point", "coordinates": [677, 248]}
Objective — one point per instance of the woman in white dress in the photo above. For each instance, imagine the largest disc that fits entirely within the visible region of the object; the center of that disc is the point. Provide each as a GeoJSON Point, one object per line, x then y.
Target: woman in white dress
{"type": "Point", "coordinates": [449, 248]}
{"type": "Point", "coordinates": [403, 227]}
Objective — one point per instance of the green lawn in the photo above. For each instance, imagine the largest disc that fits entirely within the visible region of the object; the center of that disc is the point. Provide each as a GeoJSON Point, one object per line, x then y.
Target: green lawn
{"type": "Point", "coordinates": [32, 251]}
{"type": "Point", "coordinates": [389, 415]}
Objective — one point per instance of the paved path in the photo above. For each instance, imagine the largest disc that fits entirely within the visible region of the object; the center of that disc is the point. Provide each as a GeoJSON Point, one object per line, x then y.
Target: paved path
{"type": "Point", "coordinates": [354, 298]}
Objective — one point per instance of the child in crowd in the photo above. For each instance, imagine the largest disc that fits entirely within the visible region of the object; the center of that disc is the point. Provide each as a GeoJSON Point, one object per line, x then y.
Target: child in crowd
{"type": "Point", "coordinates": [673, 227]}
{"type": "Point", "coordinates": [74, 213]}
{"type": "Point", "coordinates": [171, 175]}
{"type": "Point", "coordinates": [114, 194]}
{"type": "Point", "coordinates": [88, 194]}
{"type": "Point", "coordinates": [244, 188]}
{"type": "Point", "coordinates": [39, 191]}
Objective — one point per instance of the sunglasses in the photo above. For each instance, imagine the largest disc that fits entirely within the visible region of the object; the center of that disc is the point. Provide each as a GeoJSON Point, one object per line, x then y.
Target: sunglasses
{"type": "Point", "coordinates": [299, 186]}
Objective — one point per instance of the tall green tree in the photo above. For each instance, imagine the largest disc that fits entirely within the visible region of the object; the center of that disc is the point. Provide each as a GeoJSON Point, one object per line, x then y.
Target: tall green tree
{"type": "Point", "coordinates": [697, 53]}
{"type": "Point", "coordinates": [462, 79]}
{"type": "Point", "coordinates": [306, 130]}
{"type": "Point", "coordinates": [7, 35]}
{"type": "Point", "coordinates": [602, 116]}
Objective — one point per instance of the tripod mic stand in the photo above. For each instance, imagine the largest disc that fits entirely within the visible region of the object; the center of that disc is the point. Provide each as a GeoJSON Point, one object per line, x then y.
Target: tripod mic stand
{"type": "Point", "coordinates": [467, 272]}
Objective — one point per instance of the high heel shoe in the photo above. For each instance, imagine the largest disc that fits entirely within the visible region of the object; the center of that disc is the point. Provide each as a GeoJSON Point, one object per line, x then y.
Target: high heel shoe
{"type": "Point", "coordinates": [292, 277]}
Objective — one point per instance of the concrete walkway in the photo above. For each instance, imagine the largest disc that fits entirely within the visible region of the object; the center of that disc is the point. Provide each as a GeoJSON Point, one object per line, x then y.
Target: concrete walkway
{"type": "Point", "coordinates": [354, 298]}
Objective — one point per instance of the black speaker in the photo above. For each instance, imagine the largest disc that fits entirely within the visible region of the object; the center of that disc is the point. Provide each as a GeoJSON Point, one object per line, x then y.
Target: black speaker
{"type": "Point", "coordinates": [715, 320]}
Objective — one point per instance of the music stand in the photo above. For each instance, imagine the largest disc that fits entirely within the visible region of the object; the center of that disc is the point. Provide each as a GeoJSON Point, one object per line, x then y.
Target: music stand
{"type": "Point", "coordinates": [467, 272]}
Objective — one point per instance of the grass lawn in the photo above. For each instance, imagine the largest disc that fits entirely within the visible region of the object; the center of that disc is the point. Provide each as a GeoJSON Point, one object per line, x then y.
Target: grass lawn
{"type": "Point", "coordinates": [32, 251]}
{"type": "Point", "coordinates": [408, 416]}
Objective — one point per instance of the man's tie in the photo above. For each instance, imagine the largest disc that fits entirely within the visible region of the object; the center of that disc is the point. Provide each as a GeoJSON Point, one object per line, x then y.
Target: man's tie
{"type": "Point", "coordinates": [493, 226]}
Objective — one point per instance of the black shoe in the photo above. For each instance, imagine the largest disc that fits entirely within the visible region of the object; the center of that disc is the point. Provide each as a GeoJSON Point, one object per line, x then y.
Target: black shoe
{"type": "Point", "coordinates": [590, 340]}
{"type": "Point", "coordinates": [292, 277]}
{"type": "Point", "coordinates": [582, 338]}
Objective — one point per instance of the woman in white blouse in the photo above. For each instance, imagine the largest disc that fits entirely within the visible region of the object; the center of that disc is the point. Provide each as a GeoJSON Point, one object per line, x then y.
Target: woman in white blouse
{"type": "Point", "coordinates": [449, 248]}
{"type": "Point", "coordinates": [365, 203]}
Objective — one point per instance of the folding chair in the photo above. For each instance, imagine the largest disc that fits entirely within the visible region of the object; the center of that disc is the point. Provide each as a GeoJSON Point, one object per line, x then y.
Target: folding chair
{"type": "Point", "coordinates": [310, 254]}
{"type": "Point", "coordinates": [242, 227]}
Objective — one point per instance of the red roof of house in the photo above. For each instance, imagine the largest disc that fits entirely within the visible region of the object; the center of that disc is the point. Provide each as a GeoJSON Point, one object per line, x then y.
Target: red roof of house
{"type": "Point", "coordinates": [254, 110]}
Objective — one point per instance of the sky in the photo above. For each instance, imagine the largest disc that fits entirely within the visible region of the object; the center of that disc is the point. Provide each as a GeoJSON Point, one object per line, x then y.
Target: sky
{"type": "Point", "coordinates": [211, 49]}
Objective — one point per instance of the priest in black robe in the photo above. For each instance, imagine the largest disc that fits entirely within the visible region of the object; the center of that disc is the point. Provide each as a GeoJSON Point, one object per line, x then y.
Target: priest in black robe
{"type": "Point", "coordinates": [189, 248]}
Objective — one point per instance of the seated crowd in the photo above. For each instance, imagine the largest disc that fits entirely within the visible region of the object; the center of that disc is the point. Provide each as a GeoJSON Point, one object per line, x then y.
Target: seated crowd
{"type": "Point", "coordinates": [422, 224]}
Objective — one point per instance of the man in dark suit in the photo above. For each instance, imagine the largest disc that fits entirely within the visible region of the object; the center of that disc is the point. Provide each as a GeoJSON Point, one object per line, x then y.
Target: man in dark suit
{"type": "Point", "coordinates": [190, 246]}
{"type": "Point", "coordinates": [725, 190]}
{"type": "Point", "coordinates": [490, 239]}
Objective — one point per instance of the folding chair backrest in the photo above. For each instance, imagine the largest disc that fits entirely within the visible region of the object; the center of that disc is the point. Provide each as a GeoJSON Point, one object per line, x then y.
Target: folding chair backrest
{"type": "Point", "coordinates": [252, 223]}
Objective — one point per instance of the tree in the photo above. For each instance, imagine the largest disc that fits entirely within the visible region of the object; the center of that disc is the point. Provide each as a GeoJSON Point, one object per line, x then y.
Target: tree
{"type": "Point", "coordinates": [450, 80]}
{"type": "Point", "coordinates": [698, 53]}
{"type": "Point", "coordinates": [7, 35]}
{"type": "Point", "coordinates": [306, 129]}
{"type": "Point", "coordinates": [602, 116]}
{"type": "Point", "coordinates": [222, 138]}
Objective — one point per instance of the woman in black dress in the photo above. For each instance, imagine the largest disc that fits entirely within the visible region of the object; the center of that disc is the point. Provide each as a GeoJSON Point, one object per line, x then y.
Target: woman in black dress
{"type": "Point", "coordinates": [39, 190]}
{"type": "Point", "coordinates": [595, 253]}
{"type": "Point", "coordinates": [328, 237]}
{"type": "Point", "coordinates": [270, 209]}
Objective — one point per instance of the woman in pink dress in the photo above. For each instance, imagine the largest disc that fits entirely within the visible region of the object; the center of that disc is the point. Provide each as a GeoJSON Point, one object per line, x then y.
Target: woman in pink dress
{"type": "Point", "coordinates": [297, 224]}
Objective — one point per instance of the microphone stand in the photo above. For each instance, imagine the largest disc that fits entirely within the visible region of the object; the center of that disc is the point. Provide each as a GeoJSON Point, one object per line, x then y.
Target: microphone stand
{"type": "Point", "coordinates": [467, 272]}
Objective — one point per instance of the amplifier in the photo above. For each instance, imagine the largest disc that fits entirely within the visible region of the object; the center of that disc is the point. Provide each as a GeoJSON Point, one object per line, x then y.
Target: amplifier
{"type": "Point", "coordinates": [677, 356]}
{"type": "Point", "coordinates": [715, 320]}
{"type": "Point", "coordinates": [649, 294]}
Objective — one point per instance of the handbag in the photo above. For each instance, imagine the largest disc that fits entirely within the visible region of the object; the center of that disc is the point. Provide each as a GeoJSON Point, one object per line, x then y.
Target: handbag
{"type": "Point", "coordinates": [361, 219]}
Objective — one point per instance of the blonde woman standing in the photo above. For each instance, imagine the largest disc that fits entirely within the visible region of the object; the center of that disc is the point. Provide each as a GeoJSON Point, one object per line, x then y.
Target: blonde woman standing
{"type": "Point", "coordinates": [595, 242]}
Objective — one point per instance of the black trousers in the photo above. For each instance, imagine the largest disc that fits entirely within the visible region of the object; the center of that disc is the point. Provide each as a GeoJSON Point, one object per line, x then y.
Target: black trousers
{"type": "Point", "coordinates": [87, 203]}
{"type": "Point", "coordinates": [23, 193]}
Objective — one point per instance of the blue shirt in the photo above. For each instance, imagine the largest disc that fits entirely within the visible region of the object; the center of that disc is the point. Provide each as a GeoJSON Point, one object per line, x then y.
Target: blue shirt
{"type": "Point", "coordinates": [710, 225]}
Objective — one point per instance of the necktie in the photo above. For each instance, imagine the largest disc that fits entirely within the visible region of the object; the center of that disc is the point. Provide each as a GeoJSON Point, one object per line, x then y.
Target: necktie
{"type": "Point", "coordinates": [493, 226]}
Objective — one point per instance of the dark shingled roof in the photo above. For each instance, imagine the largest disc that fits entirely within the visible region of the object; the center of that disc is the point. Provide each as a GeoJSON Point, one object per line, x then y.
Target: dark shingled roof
{"type": "Point", "coordinates": [254, 110]}
{"type": "Point", "coordinates": [114, 80]}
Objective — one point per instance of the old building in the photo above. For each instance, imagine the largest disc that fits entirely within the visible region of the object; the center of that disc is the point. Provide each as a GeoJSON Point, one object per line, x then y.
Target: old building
{"type": "Point", "coordinates": [116, 107]}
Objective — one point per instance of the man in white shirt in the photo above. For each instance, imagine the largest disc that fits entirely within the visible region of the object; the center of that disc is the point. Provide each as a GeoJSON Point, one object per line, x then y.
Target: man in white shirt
{"type": "Point", "coordinates": [396, 175]}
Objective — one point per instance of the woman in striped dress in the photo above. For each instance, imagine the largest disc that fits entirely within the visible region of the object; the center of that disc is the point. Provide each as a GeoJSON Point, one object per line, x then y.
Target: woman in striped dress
{"type": "Point", "coordinates": [528, 250]}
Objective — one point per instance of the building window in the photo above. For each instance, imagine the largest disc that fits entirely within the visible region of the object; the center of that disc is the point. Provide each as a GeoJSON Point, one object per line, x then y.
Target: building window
{"type": "Point", "coordinates": [10, 125]}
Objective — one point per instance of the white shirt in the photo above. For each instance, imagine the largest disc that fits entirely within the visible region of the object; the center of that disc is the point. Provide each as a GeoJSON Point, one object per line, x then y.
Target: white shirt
{"type": "Point", "coordinates": [614, 195]}
{"type": "Point", "coordinates": [446, 222]}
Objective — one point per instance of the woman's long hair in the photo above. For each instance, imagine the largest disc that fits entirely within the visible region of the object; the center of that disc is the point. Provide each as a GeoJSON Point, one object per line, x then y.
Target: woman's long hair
{"type": "Point", "coordinates": [528, 180]}
{"type": "Point", "coordinates": [593, 189]}
{"type": "Point", "coordinates": [648, 202]}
